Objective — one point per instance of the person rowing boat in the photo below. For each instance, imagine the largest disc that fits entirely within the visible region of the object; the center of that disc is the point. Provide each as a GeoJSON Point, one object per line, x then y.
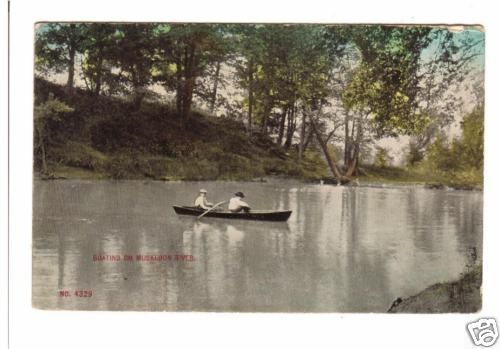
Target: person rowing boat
{"type": "Point", "coordinates": [238, 205]}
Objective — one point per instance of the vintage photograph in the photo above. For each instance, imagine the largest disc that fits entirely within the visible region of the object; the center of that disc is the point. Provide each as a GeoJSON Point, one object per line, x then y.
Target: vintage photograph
{"type": "Point", "coordinates": [318, 168]}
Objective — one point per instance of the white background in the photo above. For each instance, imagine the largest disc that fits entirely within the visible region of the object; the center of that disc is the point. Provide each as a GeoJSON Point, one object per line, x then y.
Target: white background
{"type": "Point", "coordinates": [30, 328]}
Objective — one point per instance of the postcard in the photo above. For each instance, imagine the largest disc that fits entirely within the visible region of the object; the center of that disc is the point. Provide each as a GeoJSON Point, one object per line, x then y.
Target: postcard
{"type": "Point", "coordinates": [302, 168]}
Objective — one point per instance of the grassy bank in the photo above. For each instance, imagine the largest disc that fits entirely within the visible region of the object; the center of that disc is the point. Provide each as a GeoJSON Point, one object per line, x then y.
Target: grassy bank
{"type": "Point", "coordinates": [461, 296]}
{"type": "Point", "coordinates": [107, 137]}
{"type": "Point", "coordinates": [432, 179]}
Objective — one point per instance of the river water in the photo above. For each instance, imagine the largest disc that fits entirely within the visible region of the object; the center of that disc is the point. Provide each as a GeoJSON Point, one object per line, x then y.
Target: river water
{"type": "Point", "coordinates": [344, 249]}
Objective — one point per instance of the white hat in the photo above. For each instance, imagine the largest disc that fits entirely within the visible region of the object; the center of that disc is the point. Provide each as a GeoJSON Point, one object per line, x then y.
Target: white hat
{"type": "Point", "coordinates": [203, 191]}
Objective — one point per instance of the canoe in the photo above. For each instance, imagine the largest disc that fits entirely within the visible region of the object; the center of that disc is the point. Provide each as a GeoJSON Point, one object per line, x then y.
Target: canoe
{"type": "Point", "coordinates": [273, 216]}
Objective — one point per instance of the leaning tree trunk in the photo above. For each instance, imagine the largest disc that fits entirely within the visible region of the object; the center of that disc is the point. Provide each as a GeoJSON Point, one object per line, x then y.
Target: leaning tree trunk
{"type": "Point", "coordinates": [329, 159]}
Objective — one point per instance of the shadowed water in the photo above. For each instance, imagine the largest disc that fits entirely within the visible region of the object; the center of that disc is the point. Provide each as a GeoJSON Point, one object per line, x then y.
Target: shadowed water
{"type": "Point", "coordinates": [342, 250]}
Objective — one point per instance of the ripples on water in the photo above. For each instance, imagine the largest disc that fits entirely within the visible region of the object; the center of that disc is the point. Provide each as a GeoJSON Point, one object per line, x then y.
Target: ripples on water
{"type": "Point", "coordinates": [342, 250]}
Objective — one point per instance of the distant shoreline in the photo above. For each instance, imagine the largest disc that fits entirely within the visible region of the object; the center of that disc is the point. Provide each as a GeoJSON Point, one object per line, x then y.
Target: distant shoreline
{"type": "Point", "coordinates": [363, 182]}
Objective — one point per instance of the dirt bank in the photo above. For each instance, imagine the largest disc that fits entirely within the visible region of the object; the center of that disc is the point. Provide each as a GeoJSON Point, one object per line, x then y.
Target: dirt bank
{"type": "Point", "coordinates": [461, 296]}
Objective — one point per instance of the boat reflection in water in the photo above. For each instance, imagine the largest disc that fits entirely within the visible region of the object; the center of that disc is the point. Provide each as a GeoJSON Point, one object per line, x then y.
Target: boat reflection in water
{"type": "Point", "coordinates": [236, 263]}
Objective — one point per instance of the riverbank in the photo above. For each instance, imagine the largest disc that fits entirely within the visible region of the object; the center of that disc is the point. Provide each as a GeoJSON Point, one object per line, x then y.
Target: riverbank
{"type": "Point", "coordinates": [461, 296]}
{"type": "Point", "coordinates": [140, 166]}
{"type": "Point", "coordinates": [108, 137]}
{"type": "Point", "coordinates": [391, 175]}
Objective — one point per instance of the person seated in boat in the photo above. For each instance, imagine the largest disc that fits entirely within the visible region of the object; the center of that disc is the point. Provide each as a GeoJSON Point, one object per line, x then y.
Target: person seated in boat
{"type": "Point", "coordinates": [201, 201]}
{"type": "Point", "coordinates": [238, 205]}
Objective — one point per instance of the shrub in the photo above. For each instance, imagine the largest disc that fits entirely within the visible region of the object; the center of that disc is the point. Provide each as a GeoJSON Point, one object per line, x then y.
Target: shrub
{"type": "Point", "coordinates": [78, 155]}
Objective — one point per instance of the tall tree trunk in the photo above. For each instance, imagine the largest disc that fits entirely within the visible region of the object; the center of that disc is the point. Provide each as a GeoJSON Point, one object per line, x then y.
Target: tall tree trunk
{"type": "Point", "coordinates": [138, 91]}
{"type": "Point", "coordinates": [265, 117]}
{"type": "Point", "coordinates": [290, 130]}
{"type": "Point", "coordinates": [138, 97]}
{"type": "Point", "coordinates": [354, 159]}
{"type": "Point", "coordinates": [71, 67]}
{"type": "Point", "coordinates": [281, 129]}
{"type": "Point", "coordinates": [40, 132]}
{"type": "Point", "coordinates": [357, 148]}
{"type": "Point", "coordinates": [41, 143]}
{"type": "Point", "coordinates": [178, 86]}
{"type": "Point", "coordinates": [189, 81]}
{"type": "Point", "coordinates": [213, 97]}
{"type": "Point", "coordinates": [346, 139]}
{"type": "Point", "coordinates": [250, 94]}
{"type": "Point", "coordinates": [302, 136]}
{"type": "Point", "coordinates": [98, 82]}
{"type": "Point", "coordinates": [44, 158]}
{"type": "Point", "coordinates": [185, 87]}
{"type": "Point", "coordinates": [288, 126]}
{"type": "Point", "coordinates": [309, 136]}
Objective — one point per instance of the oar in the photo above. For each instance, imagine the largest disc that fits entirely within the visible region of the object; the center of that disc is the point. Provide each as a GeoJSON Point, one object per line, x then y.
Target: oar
{"type": "Point", "coordinates": [214, 206]}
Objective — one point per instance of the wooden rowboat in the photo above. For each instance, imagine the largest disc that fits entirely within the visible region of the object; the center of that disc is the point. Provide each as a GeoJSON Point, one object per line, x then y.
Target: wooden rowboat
{"type": "Point", "coordinates": [273, 216]}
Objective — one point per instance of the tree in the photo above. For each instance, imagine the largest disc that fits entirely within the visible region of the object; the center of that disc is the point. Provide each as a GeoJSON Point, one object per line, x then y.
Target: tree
{"type": "Point", "coordinates": [382, 158]}
{"type": "Point", "coordinates": [214, 70]}
{"type": "Point", "coordinates": [254, 71]}
{"type": "Point", "coordinates": [184, 53]}
{"type": "Point", "coordinates": [46, 113]}
{"type": "Point", "coordinates": [389, 86]}
{"type": "Point", "coordinates": [472, 150]}
{"type": "Point", "coordinates": [385, 83]}
{"type": "Point", "coordinates": [56, 47]}
{"type": "Point", "coordinates": [132, 53]}
{"type": "Point", "coordinates": [97, 60]}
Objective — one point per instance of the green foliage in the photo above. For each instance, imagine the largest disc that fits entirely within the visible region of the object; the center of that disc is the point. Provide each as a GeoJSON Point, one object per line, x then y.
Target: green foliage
{"type": "Point", "coordinates": [382, 158]}
{"type": "Point", "coordinates": [80, 155]}
{"type": "Point", "coordinates": [385, 82]}
{"type": "Point", "coordinates": [414, 154]}
{"type": "Point", "coordinates": [472, 143]}
{"type": "Point", "coordinates": [51, 109]}
{"type": "Point", "coordinates": [98, 50]}
{"type": "Point", "coordinates": [397, 83]}
{"type": "Point", "coordinates": [47, 116]}
{"type": "Point", "coordinates": [122, 144]}
{"type": "Point", "coordinates": [459, 161]}
{"type": "Point", "coordinates": [442, 155]}
{"type": "Point", "coordinates": [382, 75]}
{"type": "Point", "coordinates": [54, 43]}
{"type": "Point", "coordinates": [281, 66]}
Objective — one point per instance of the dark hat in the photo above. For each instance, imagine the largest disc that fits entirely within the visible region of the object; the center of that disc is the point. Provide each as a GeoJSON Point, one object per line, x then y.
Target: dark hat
{"type": "Point", "coordinates": [240, 194]}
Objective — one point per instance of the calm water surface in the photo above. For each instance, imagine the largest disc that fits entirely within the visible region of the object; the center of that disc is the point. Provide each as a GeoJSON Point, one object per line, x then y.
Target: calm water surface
{"type": "Point", "coordinates": [342, 250]}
